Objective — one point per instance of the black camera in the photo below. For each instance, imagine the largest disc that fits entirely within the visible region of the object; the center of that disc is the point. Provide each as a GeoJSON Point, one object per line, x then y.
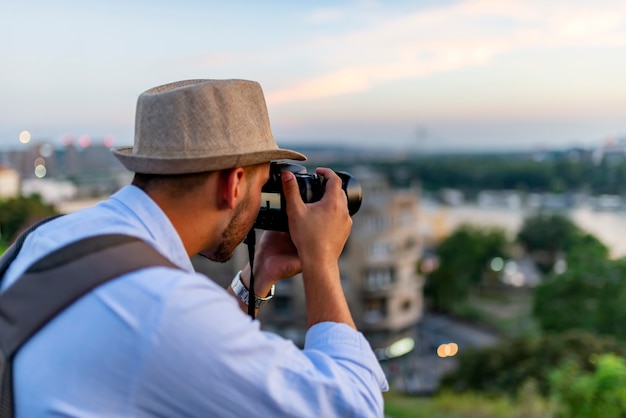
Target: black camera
{"type": "Point", "coordinates": [273, 213]}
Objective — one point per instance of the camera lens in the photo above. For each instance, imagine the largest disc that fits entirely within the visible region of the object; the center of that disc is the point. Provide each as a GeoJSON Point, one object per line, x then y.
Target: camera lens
{"type": "Point", "coordinates": [353, 190]}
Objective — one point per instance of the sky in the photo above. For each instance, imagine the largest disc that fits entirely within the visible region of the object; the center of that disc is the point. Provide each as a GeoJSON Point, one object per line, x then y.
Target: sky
{"type": "Point", "coordinates": [407, 75]}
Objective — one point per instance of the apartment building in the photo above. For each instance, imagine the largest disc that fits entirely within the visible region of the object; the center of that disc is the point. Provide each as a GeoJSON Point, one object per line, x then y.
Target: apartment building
{"type": "Point", "coordinates": [380, 263]}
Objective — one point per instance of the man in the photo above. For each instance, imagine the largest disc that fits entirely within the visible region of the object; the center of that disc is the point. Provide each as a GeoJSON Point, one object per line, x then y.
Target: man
{"type": "Point", "coordinates": [169, 342]}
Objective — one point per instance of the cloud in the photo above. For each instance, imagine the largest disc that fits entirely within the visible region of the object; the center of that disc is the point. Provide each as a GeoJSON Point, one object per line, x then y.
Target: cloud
{"type": "Point", "coordinates": [464, 34]}
{"type": "Point", "coordinates": [321, 16]}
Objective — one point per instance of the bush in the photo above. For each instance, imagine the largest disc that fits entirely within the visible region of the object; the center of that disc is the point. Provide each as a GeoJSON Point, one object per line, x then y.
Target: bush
{"type": "Point", "coordinates": [529, 404]}
{"type": "Point", "coordinates": [504, 368]}
{"type": "Point", "coordinates": [589, 296]}
{"type": "Point", "coordinates": [18, 213]}
{"type": "Point", "coordinates": [463, 259]}
{"type": "Point", "coordinates": [584, 394]}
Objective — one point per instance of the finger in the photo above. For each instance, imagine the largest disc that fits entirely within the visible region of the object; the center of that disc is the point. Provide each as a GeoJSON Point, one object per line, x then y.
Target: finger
{"type": "Point", "coordinates": [334, 184]}
{"type": "Point", "coordinates": [291, 191]}
{"type": "Point", "coordinates": [333, 181]}
{"type": "Point", "coordinates": [326, 172]}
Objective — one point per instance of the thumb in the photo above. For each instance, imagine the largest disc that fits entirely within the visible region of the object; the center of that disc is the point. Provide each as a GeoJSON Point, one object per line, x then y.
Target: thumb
{"type": "Point", "coordinates": [291, 190]}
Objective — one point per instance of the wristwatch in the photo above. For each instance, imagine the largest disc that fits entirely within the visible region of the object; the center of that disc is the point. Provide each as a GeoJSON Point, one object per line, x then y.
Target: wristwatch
{"type": "Point", "coordinates": [243, 294]}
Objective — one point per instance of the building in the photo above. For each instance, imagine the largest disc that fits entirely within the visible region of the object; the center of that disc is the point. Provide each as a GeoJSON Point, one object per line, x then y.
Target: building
{"type": "Point", "coordinates": [379, 265]}
{"type": "Point", "coordinates": [9, 183]}
{"type": "Point", "coordinates": [52, 192]}
{"type": "Point", "coordinates": [613, 152]}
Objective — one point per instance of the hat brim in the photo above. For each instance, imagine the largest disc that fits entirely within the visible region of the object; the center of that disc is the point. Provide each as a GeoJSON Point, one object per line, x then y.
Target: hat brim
{"type": "Point", "coordinates": [160, 165]}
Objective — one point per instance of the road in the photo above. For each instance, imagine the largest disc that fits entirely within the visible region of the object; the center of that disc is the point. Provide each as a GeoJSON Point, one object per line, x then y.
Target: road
{"type": "Point", "coordinates": [420, 371]}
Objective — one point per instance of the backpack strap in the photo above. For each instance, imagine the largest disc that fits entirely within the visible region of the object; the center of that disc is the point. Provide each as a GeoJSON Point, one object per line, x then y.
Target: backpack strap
{"type": "Point", "coordinates": [11, 252]}
{"type": "Point", "coordinates": [57, 280]}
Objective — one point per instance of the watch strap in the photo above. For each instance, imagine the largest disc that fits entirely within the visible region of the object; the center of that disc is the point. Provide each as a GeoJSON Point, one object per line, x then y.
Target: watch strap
{"type": "Point", "coordinates": [243, 293]}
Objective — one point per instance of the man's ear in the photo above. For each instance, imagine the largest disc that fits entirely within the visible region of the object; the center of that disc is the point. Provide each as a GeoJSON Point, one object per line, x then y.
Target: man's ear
{"type": "Point", "coordinates": [231, 184]}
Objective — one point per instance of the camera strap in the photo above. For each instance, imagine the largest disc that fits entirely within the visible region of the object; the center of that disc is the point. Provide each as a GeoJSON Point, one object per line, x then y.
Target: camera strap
{"type": "Point", "coordinates": [251, 242]}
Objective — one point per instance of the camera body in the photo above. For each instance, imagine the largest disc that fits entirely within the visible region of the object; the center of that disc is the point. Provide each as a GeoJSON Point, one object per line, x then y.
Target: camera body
{"type": "Point", "coordinates": [273, 214]}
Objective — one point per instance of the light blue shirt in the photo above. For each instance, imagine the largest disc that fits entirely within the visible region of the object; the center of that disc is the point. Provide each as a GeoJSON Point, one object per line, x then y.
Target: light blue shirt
{"type": "Point", "coordinates": [170, 343]}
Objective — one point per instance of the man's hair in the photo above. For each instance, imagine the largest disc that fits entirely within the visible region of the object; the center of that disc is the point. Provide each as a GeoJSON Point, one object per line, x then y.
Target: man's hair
{"type": "Point", "coordinates": [175, 185]}
{"type": "Point", "coordinates": [179, 185]}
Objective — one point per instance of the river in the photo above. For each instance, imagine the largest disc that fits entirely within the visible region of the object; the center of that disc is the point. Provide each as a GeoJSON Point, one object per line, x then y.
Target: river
{"type": "Point", "coordinates": [608, 226]}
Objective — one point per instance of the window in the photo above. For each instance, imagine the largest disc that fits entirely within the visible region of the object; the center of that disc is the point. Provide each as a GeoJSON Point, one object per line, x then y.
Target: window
{"type": "Point", "coordinates": [410, 243]}
{"type": "Point", "coordinates": [375, 310]}
{"type": "Point", "coordinates": [380, 249]}
{"type": "Point", "coordinates": [378, 223]}
{"type": "Point", "coordinates": [406, 305]}
{"type": "Point", "coordinates": [379, 278]}
{"type": "Point", "coordinates": [407, 219]}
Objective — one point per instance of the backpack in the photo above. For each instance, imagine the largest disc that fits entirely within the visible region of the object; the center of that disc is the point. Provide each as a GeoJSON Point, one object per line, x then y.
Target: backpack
{"type": "Point", "coordinates": [53, 283]}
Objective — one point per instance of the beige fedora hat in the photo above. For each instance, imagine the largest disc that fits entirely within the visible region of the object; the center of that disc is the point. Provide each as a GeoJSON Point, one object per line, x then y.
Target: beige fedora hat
{"type": "Point", "coordinates": [194, 126]}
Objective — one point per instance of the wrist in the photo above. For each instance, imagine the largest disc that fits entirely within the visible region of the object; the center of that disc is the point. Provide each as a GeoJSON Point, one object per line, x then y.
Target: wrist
{"type": "Point", "coordinates": [241, 290]}
{"type": "Point", "coordinates": [262, 285]}
{"type": "Point", "coordinates": [320, 266]}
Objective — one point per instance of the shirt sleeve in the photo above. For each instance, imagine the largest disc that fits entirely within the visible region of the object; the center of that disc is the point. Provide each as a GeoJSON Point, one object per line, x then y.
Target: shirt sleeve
{"type": "Point", "coordinates": [202, 356]}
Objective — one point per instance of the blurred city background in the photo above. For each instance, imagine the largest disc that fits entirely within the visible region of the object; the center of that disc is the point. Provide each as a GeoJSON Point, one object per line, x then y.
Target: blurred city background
{"type": "Point", "coordinates": [486, 266]}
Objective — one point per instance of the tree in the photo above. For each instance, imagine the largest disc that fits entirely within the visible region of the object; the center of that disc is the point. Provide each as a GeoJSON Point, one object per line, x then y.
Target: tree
{"type": "Point", "coordinates": [590, 295]}
{"type": "Point", "coordinates": [546, 235]}
{"type": "Point", "coordinates": [17, 213]}
{"type": "Point", "coordinates": [463, 259]}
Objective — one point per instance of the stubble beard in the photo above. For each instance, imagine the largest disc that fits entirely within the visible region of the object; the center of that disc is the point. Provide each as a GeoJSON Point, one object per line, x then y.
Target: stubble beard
{"type": "Point", "coordinates": [234, 234]}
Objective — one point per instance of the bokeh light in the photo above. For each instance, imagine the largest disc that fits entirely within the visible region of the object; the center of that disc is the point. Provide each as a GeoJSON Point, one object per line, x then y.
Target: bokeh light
{"type": "Point", "coordinates": [45, 150]}
{"type": "Point", "coordinates": [67, 140]}
{"type": "Point", "coordinates": [84, 141]}
{"type": "Point", "coordinates": [401, 347]}
{"type": "Point", "coordinates": [497, 264]}
{"type": "Point", "coordinates": [40, 171]}
{"type": "Point", "coordinates": [560, 266]}
{"type": "Point", "coordinates": [109, 140]}
{"type": "Point", "coordinates": [448, 350]}
{"type": "Point", "coordinates": [24, 137]}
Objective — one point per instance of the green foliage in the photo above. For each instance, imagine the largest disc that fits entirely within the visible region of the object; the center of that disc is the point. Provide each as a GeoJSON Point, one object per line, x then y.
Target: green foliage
{"type": "Point", "coordinates": [528, 404]}
{"type": "Point", "coordinates": [590, 295]}
{"type": "Point", "coordinates": [505, 367]}
{"type": "Point", "coordinates": [472, 405]}
{"type": "Point", "coordinates": [17, 213]}
{"type": "Point", "coordinates": [591, 394]}
{"type": "Point", "coordinates": [586, 249]}
{"type": "Point", "coordinates": [546, 235]}
{"type": "Point", "coordinates": [474, 172]}
{"type": "Point", "coordinates": [504, 310]}
{"type": "Point", "coordinates": [548, 232]}
{"type": "Point", "coordinates": [463, 259]}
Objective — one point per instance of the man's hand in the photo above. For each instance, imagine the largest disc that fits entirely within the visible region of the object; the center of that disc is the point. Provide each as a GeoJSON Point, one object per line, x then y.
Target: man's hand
{"type": "Point", "coordinates": [276, 257]}
{"type": "Point", "coordinates": [319, 231]}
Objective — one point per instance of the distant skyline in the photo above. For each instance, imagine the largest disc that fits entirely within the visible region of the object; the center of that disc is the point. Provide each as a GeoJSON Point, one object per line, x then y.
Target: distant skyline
{"type": "Point", "coordinates": [429, 75]}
